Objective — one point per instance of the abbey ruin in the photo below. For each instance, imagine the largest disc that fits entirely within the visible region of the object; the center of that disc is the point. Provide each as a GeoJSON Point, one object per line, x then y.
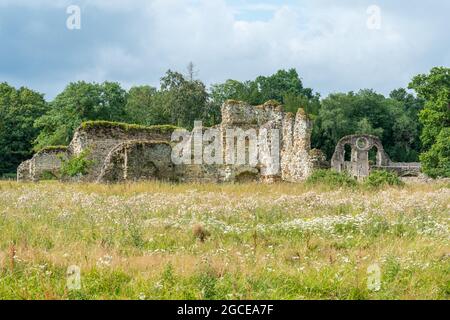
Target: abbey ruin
{"type": "Point", "coordinates": [358, 164]}
{"type": "Point", "coordinates": [116, 152]}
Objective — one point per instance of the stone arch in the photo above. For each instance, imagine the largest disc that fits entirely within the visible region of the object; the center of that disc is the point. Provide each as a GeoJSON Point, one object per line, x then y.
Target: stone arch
{"type": "Point", "coordinates": [373, 161]}
{"type": "Point", "coordinates": [358, 165]}
{"type": "Point", "coordinates": [347, 152]}
{"type": "Point", "coordinates": [138, 161]}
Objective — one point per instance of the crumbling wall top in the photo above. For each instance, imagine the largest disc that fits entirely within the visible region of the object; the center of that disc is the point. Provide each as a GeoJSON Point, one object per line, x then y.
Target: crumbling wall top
{"type": "Point", "coordinates": [52, 150]}
{"type": "Point", "coordinates": [118, 129]}
{"type": "Point", "coordinates": [238, 113]}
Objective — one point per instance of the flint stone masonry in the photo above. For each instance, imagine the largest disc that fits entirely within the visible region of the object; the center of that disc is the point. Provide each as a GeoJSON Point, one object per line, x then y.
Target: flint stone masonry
{"type": "Point", "coordinates": [98, 139]}
{"type": "Point", "coordinates": [24, 171]}
{"type": "Point", "coordinates": [359, 166]}
{"type": "Point", "coordinates": [120, 152]}
{"type": "Point", "coordinates": [45, 163]}
{"type": "Point", "coordinates": [137, 161]}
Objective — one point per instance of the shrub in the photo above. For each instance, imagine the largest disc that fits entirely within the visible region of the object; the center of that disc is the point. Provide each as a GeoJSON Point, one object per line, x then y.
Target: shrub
{"type": "Point", "coordinates": [436, 161]}
{"type": "Point", "coordinates": [200, 232]}
{"type": "Point", "coordinates": [48, 175]}
{"type": "Point", "coordinates": [9, 176]}
{"type": "Point", "coordinates": [76, 166]}
{"type": "Point", "coordinates": [382, 178]}
{"type": "Point", "coordinates": [331, 178]}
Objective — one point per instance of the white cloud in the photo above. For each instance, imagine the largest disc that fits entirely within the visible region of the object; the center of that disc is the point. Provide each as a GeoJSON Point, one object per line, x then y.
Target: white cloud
{"type": "Point", "coordinates": [329, 43]}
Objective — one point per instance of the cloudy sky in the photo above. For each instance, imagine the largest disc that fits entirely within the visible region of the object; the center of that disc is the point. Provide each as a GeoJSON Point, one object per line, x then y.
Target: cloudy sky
{"type": "Point", "coordinates": [335, 45]}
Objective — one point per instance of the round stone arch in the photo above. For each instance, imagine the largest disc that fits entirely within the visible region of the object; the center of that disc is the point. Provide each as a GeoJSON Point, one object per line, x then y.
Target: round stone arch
{"type": "Point", "coordinates": [361, 144]}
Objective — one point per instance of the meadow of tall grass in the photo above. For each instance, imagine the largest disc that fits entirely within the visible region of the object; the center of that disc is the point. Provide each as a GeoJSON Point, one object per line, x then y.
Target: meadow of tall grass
{"type": "Point", "coordinates": [247, 241]}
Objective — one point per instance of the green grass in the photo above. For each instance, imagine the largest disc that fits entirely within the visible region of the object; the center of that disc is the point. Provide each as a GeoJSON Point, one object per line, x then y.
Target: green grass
{"type": "Point", "coordinates": [280, 241]}
{"type": "Point", "coordinates": [381, 178]}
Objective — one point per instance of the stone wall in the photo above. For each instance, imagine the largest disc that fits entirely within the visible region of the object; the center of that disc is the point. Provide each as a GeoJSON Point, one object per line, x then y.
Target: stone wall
{"type": "Point", "coordinates": [24, 171]}
{"type": "Point", "coordinates": [359, 165]}
{"type": "Point", "coordinates": [45, 164]}
{"type": "Point", "coordinates": [97, 139]}
{"type": "Point", "coordinates": [296, 162]}
{"type": "Point", "coordinates": [121, 152]}
{"type": "Point", "coordinates": [138, 160]}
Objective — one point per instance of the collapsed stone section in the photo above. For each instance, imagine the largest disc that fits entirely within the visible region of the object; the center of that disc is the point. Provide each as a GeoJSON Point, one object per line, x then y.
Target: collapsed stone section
{"type": "Point", "coordinates": [121, 152]}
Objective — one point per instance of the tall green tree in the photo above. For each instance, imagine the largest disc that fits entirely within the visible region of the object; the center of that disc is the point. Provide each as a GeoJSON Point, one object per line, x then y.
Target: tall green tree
{"type": "Point", "coordinates": [145, 106]}
{"type": "Point", "coordinates": [285, 86]}
{"type": "Point", "coordinates": [368, 112]}
{"type": "Point", "coordinates": [184, 99]}
{"type": "Point", "coordinates": [434, 88]}
{"type": "Point", "coordinates": [19, 108]}
{"type": "Point", "coordinates": [80, 101]}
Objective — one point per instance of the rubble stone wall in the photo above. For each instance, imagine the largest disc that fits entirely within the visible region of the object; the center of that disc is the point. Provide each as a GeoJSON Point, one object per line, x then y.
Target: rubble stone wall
{"type": "Point", "coordinates": [121, 152]}
{"type": "Point", "coordinates": [45, 164]}
{"type": "Point", "coordinates": [137, 161]}
{"type": "Point", "coordinates": [97, 139]}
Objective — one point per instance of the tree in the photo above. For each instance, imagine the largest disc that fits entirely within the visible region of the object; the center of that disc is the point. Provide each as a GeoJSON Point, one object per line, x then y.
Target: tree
{"type": "Point", "coordinates": [285, 86]}
{"type": "Point", "coordinates": [145, 106]}
{"type": "Point", "coordinates": [18, 111]}
{"type": "Point", "coordinates": [434, 88]}
{"type": "Point", "coordinates": [79, 102]}
{"type": "Point", "coordinates": [185, 100]}
{"type": "Point", "coordinates": [368, 112]}
{"type": "Point", "coordinates": [191, 72]}
{"type": "Point", "coordinates": [436, 161]}
{"type": "Point", "coordinates": [280, 84]}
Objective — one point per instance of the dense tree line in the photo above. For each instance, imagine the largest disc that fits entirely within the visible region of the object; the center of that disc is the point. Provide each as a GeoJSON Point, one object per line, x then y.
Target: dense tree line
{"type": "Point", "coordinates": [410, 126]}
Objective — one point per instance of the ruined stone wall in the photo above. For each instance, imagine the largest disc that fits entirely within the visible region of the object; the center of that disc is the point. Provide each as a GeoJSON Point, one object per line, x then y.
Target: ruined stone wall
{"type": "Point", "coordinates": [359, 165]}
{"type": "Point", "coordinates": [24, 171]}
{"type": "Point", "coordinates": [267, 117]}
{"type": "Point", "coordinates": [45, 164]}
{"type": "Point", "coordinates": [296, 161]}
{"type": "Point", "coordinates": [97, 139]}
{"type": "Point", "coordinates": [120, 152]}
{"type": "Point", "coordinates": [138, 161]}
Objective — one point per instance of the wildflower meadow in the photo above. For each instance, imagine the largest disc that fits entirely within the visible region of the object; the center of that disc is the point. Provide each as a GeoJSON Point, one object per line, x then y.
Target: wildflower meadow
{"type": "Point", "coordinates": [233, 241]}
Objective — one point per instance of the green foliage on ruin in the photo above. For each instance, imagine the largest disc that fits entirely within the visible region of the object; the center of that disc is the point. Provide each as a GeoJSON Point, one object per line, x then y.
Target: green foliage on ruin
{"type": "Point", "coordinates": [331, 178]}
{"type": "Point", "coordinates": [381, 178]}
{"type": "Point", "coordinates": [127, 127]}
{"type": "Point", "coordinates": [77, 165]}
{"type": "Point", "coordinates": [48, 176]}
